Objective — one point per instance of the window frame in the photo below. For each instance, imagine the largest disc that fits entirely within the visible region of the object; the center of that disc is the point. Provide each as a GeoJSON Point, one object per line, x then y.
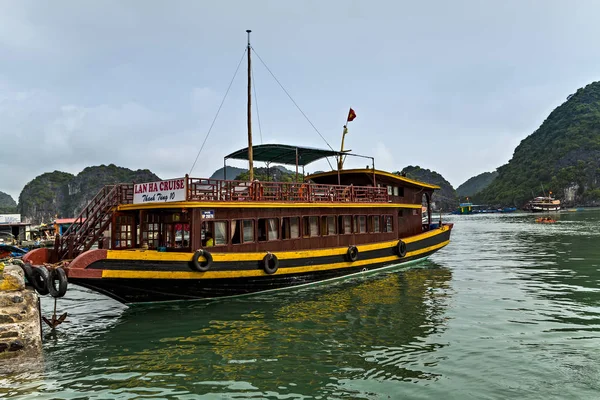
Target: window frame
{"type": "Point", "coordinates": [289, 218]}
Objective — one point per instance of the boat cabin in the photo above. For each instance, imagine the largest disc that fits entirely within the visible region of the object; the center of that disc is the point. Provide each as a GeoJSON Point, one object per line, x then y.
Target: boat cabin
{"type": "Point", "coordinates": [330, 209]}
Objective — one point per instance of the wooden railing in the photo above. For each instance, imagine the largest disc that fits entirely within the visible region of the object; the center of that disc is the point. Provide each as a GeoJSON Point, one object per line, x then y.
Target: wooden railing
{"type": "Point", "coordinates": [221, 190]}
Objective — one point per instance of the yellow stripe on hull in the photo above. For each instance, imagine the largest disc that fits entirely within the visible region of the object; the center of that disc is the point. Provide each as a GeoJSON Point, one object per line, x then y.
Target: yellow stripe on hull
{"type": "Point", "coordinates": [125, 274]}
{"type": "Point", "coordinates": [153, 255]}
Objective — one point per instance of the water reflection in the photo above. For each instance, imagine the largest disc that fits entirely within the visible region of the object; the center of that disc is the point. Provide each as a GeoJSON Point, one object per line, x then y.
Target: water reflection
{"type": "Point", "coordinates": [291, 343]}
{"type": "Point", "coordinates": [555, 265]}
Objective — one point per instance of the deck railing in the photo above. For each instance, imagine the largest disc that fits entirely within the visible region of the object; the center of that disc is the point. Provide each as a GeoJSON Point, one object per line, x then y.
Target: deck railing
{"type": "Point", "coordinates": [221, 190]}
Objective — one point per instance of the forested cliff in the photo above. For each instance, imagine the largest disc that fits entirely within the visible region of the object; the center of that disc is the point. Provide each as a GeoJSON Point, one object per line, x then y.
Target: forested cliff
{"type": "Point", "coordinates": [562, 156]}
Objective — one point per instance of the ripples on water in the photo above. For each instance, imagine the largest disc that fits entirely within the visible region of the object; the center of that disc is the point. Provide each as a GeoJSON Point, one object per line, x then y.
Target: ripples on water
{"type": "Point", "coordinates": [510, 309]}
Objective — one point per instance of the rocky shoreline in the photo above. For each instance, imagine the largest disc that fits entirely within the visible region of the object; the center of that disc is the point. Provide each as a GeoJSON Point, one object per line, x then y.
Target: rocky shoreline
{"type": "Point", "coordinates": [20, 327]}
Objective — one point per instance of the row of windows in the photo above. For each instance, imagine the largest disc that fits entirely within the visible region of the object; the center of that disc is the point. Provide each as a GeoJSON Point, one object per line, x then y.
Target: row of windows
{"type": "Point", "coordinates": [269, 229]}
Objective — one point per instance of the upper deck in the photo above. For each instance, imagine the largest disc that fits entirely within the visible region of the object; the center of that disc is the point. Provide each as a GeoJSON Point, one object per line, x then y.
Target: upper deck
{"type": "Point", "coordinates": [219, 190]}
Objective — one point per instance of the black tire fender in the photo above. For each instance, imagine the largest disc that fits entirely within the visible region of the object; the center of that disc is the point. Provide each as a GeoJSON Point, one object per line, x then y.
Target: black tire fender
{"type": "Point", "coordinates": [270, 263]}
{"type": "Point", "coordinates": [352, 253]}
{"type": "Point", "coordinates": [57, 274]}
{"type": "Point", "coordinates": [201, 266]}
{"type": "Point", "coordinates": [39, 280]}
{"type": "Point", "coordinates": [401, 248]}
{"type": "Point", "coordinates": [27, 271]}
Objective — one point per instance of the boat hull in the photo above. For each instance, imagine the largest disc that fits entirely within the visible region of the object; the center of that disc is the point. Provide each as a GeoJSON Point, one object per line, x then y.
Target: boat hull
{"type": "Point", "coordinates": [545, 208]}
{"type": "Point", "coordinates": [139, 277]}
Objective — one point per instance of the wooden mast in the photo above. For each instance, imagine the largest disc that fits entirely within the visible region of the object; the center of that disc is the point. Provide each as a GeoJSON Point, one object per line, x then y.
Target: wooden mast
{"type": "Point", "coordinates": [250, 155]}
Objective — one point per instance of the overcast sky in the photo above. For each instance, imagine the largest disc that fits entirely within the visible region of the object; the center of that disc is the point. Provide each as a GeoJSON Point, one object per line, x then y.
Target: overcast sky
{"type": "Point", "coordinates": [452, 86]}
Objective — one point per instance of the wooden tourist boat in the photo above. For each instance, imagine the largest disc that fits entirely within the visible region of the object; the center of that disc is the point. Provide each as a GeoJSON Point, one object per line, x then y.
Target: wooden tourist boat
{"type": "Point", "coordinates": [543, 204]}
{"type": "Point", "coordinates": [194, 238]}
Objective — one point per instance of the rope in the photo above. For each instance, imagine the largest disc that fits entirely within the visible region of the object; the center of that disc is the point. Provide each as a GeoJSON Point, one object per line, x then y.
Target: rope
{"type": "Point", "coordinates": [256, 101]}
{"type": "Point", "coordinates": [220, 106]}
{"type": "Point", "coordinates": [299, 109]}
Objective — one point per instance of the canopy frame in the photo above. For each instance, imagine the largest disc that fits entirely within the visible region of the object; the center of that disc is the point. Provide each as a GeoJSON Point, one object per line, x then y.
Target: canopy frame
{"type": "Point", "coordinates": [288, 155]}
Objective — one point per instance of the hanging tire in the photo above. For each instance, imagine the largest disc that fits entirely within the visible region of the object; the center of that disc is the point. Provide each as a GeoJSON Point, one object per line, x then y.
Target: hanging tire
{"type": "Point", "coordinates": [352, 254]}
{"type": "Point", "coordinates": [270, 263]}
{"type": "Point", "coordinates": [57, 275]}
{"type": "Point", "coordinates": [27, 271]}
{"type": "Point", "coordinates": [39, 280]}
{"type": "Point", "coordinates": [201, 266]}
{"type": "Point", "coordinates": [401, 249]}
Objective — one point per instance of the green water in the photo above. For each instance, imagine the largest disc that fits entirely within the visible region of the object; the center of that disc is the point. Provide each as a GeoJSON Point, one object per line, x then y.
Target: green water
{"type": "Point", "coordinates": [510, 309]}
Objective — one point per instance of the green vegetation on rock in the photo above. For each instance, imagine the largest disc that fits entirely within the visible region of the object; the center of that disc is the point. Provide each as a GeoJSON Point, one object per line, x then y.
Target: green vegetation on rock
{"type": "Point", "coordinates": [7, 204]}
{"type": "Point", "coordinates": [562, 156]}
{"type": "Point", "coordinates": [445, 198]}
{"type": "Point", "coordinates": [63, 195]}
{"type": "Point", "coordinates": [45, 196]}
{"type": "Point", "coordinates": [273, 174]}
{"type": "Point", "coordinates": [476, 184]}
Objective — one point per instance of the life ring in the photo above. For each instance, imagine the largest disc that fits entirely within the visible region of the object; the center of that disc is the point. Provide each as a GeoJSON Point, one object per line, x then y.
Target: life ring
{"type": "Point", "coordinates": [201, 266]}
{"type": "Point", "coordinates": [352, 254]}
{"type": "Point", "coordinates": [39, 279]}
{"type": "Point", "coordinates": [401, 248]}
{"type": "Point", "coordinates": [57, 274]}
{"type": "Point", "coordinates": [270, 263]}
{"type": "Point", "coordinates": [27, 271]}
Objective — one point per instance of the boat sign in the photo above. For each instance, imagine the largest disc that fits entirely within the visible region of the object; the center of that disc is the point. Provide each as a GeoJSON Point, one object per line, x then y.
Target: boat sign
{"type": "Point", "coordinates": [160, 192]}
{"type": "Point", "coordinates": [10, 218]}
{"type": "Point", "coordinates": [208, 214]}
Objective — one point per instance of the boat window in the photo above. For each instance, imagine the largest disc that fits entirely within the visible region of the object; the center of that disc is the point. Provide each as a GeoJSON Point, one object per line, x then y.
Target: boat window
{"type": "Point", "coordinates": [388, 223]}
{"type": "Point", "coordinates": [328, 225]}
{"type": "Point", "coordinates": [268, 229]}
{"type": "Point", "coordinates": [290, 228]}
{"type": "Point", "coordinates": [273, 229]}
{"type": "Point", "coordinates": [242, 231]}
{"type": "Point", "coordinates": [220, 233]}
{"type": "Point", "coordinates": [151, 231]}
{"type": "Point", "coordinates": [311, 226]}
{"type": "Point", "coordinates": [345, 224]}
{"type": "Point", "coordinates": [331, 225]}
{"type": "Point", "coordinates": [390, 190]}
{"type": "Point", "coordinates": [248, 230]}
{"type": "Point", "coordinates": [215, 229]}
{"type": "Point", "coordinates": [124, 225]}
{"type": "Point", "coordinates": [401, 192]}
{"type": "Point", "coordinates": [375, 223]}
{"type": "Point", "coordinates": [176, 229]}
{"type": "Point", "coordinates": [360, 224]}
{"type": "Point", "coordinates": [395, 190]}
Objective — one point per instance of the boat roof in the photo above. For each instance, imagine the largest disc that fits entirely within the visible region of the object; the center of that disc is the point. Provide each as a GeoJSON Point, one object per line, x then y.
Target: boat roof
{"type": "Point", "coordinates": [379, 173]}
{"type": "Point", "coordinates": [284, 154]}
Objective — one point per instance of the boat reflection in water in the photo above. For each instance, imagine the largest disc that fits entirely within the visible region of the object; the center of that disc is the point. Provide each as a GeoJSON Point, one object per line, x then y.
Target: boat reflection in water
{"type": "Point", "coordinates": [312, 340]}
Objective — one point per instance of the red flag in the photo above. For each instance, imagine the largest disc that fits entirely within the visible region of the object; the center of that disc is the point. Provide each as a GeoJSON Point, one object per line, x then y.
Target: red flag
{"type": "Point", "coordinates": [351, 115]}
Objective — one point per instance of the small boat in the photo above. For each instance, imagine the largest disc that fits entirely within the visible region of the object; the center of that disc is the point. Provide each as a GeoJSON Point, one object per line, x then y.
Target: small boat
{"type": "Point", "coordinates": [195, 238]}
{"type": "Point", "coordinates": [11, 251]}
{"type": "Point", "coordinates": [464, 208]}
{"type": "Point", "coordinates": [543, 204]}
{"type": "Point", "coordinates": [545, 220]}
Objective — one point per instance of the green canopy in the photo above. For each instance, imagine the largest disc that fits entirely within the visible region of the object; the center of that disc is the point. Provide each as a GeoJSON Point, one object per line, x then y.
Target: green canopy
{"type": "Point", "coordinates": [283, 154]}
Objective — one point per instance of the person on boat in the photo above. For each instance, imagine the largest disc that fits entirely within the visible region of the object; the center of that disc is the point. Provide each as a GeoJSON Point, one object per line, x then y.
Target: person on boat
{"type": "Point", "coordinates": [209, 239]}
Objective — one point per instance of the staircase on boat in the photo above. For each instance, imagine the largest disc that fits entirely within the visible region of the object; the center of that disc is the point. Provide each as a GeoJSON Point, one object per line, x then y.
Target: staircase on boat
{"type": "Point", "coordinates": [94, 219]}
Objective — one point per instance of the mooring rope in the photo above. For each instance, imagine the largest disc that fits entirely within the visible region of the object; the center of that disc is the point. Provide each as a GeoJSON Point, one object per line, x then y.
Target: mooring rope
{"type": "Point", "coordinates": [256, 102]}
{"type": "Point", "coordinates": [220, 106]}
